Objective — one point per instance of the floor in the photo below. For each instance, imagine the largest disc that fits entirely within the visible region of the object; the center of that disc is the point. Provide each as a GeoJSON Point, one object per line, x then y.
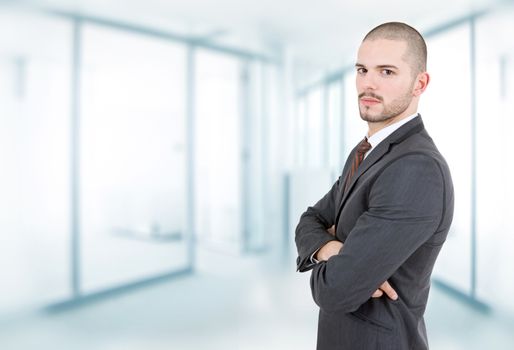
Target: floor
{"type": "Point", "coordinates": [230, 303]}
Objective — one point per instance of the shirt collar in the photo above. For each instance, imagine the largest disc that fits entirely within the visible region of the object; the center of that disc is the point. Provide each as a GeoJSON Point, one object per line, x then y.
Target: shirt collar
{"type": "Point", "coordinates": [380, 135]}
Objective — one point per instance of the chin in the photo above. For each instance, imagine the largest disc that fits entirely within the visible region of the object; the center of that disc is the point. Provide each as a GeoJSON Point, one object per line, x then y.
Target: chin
{"type": "Point", "coordinates": [374, 118]}
{"type": "Point", "coordinates": [371, 117]}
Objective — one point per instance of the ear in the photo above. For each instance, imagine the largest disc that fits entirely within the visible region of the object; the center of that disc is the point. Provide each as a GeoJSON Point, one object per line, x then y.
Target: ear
{"type": "Point", "coordinates": [420, 84]}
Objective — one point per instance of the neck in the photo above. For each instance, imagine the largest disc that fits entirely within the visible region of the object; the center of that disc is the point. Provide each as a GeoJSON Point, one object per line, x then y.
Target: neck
{"type": "Point", "coordinates": [374, 127]}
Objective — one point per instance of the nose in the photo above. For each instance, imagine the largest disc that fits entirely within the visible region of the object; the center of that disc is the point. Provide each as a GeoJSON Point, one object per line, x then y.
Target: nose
{"type": "Point", "coordinates": [366, 81]}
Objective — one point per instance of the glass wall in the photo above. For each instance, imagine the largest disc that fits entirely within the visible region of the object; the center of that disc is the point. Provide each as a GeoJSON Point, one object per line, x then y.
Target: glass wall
{"type": "Point", "coordinates": [277, 135]}
{"type": "Point", "coordinates": [133, 157]}
{"type": "Point", "coordinates": [315, 110]}
{"type": "Point", "coordinates": [446, 112]}
{"type": "Point", "coordinates": [300, 128]}
{"type": "Point", "coordinates": [35, 70]}
{"type": "Point", "coordinates": [494, 189]}
{"type": "Point", "coordinates": [315, 127]}
{"type": "Point", "coordinates": [334, 128]}
{"type": "Point", "coordinates": [218, 183]}
{"type": "Point", "coordinates": [257, 80]}
{"type": "Point", "coordinates": [126, 171]}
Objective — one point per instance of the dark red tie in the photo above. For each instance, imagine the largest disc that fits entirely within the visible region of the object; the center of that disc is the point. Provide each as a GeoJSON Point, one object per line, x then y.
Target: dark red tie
{"type": "Point", "coordinates": [362, 148]}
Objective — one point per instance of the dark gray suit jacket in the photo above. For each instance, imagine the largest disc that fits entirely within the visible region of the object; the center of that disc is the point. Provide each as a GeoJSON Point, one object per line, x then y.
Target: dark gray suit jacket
{"type": "Point", "coordinates": [393, 220]}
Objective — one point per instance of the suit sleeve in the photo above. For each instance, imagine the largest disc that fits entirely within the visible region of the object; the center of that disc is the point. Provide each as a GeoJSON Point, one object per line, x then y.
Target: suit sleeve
{"type": "Point", "coordinates": [311, 232]}
{"type": "Point", "coordinates": [404, 211]}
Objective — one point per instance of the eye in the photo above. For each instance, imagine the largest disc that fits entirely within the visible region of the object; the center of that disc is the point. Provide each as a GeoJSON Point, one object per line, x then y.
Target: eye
{"type": "Point", "coordinates": [387, 72]}
{"type": "Point", "coordinates": [362, 70]}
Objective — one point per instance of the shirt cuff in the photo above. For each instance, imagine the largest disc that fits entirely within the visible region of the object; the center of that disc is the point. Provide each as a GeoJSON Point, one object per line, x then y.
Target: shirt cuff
{"type": "Point", "coordinates": [314, 261]}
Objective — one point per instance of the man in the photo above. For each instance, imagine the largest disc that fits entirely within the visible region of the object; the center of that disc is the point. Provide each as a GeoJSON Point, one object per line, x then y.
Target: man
{"type": "Point", "coordinates": [373, 239]}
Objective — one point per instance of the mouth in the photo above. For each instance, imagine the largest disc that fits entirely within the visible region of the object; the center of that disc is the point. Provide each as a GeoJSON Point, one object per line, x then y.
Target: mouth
{"type": "Point", "coordinates": [369, 101]}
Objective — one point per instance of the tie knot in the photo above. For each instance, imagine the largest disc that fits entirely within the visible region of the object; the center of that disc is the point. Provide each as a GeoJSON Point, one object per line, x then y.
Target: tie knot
{"type": "Point", "coordinates": [363, 147]}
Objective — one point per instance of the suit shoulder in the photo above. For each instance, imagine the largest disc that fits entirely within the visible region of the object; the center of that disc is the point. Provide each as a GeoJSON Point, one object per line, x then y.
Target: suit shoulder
{"type": "Point", "coordinates": [420, 143]}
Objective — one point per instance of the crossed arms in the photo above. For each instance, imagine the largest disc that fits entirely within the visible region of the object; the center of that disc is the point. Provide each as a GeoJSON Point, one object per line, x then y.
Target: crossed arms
{"type": "Point", "coordinates": [404, 210]}
{"type": "Point", "coordinates": [334, 247]}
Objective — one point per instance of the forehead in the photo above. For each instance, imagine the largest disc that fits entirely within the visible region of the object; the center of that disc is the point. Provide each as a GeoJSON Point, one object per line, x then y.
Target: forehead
{"type": "Point", "coordinates": [382, 52]}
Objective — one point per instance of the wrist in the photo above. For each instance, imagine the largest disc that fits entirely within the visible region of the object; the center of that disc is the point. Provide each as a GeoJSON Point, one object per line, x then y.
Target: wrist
{"type": "Point", "coordinates": [330, 249]}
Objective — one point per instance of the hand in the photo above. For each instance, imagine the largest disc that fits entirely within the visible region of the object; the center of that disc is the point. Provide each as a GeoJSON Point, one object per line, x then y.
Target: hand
{"type": "Point", "coordinates": [328, 250]}
{"type": "Point", "coordinates": [385, 288]}
{"type": "Point", "coordinates": [332, 230]}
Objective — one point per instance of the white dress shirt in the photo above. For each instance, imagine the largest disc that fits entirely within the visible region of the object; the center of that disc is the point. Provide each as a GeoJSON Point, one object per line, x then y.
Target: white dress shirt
{"type": "Point", "coordinates": [374, 140]}
{"type": "Point", "coordinates": [382, 134]}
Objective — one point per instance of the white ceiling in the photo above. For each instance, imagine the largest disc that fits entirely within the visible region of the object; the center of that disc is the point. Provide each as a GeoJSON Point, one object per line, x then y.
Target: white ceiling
{"type": "Point", "coordinates": [321, 34]}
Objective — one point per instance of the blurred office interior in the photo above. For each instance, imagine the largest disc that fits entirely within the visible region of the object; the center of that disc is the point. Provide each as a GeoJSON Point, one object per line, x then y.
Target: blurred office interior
{"type": "Point", "coordinates": [156, 157]}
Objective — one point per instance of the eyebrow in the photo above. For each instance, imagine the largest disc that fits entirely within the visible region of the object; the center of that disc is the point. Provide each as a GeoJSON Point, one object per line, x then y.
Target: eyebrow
{"type": "Point", "coordinates": [381, 66]}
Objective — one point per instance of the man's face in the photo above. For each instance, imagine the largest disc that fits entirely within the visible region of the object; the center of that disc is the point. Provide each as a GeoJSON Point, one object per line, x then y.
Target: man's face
{"type": "Point", "coordinates": [384, 81]}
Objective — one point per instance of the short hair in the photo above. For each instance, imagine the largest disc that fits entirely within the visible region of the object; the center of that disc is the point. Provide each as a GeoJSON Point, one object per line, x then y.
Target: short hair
{"type": "Point", "coordinates": [416, 46]}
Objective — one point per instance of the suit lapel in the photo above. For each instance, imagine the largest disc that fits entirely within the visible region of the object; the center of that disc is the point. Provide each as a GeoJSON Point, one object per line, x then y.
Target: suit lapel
{"type": "Point", "coordinates": [402, 133]}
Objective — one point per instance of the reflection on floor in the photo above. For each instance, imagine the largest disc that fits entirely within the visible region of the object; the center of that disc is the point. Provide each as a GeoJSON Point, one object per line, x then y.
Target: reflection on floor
{"type": "Point", "coordinates": [230, 303]}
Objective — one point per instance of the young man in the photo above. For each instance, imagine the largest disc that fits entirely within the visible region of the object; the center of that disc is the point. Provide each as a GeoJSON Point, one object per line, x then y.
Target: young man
{"type": "Point", "coordinates": [373, 239]}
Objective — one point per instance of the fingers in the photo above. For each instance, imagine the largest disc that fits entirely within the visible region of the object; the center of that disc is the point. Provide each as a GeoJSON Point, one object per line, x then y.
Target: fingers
{"type": "Point", "coordinates": [332, 230]}
{"type": "Point", "coordinates": [378, 293]}
{"type": "Point", "coordinates": [390, 292]}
